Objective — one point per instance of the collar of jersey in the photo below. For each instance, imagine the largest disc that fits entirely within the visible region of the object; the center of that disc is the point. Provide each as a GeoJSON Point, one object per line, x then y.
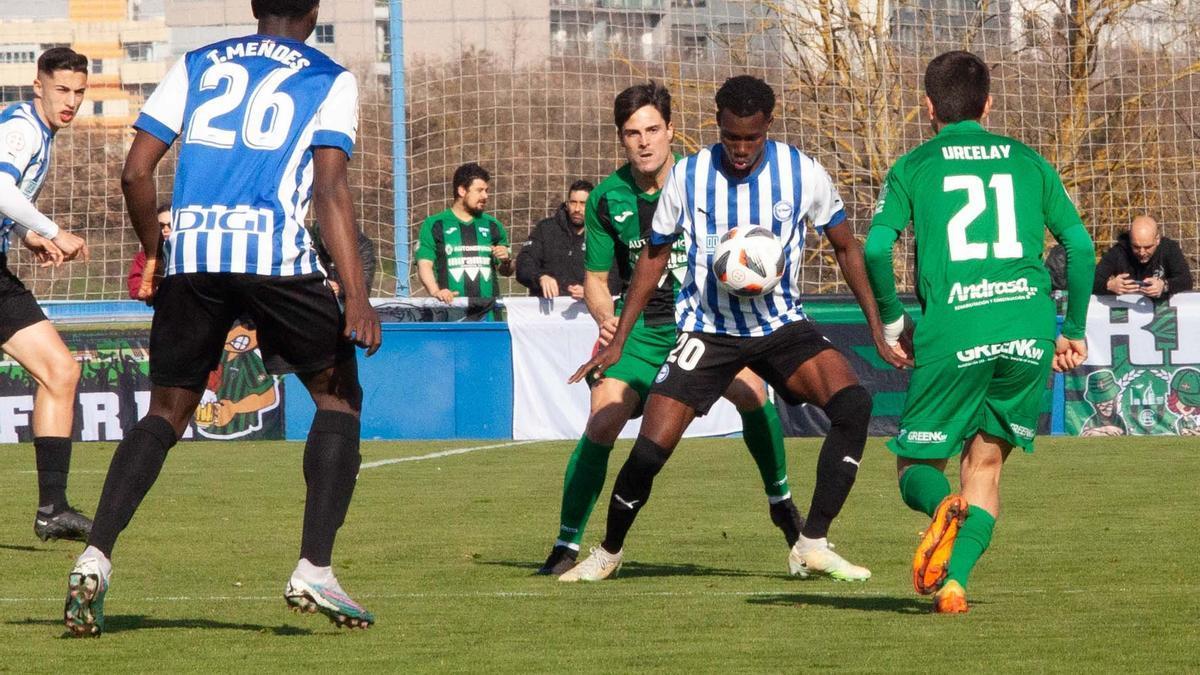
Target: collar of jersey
{"type": "Point", "coordinates": [38, 118]}
{"type": "Point", "coordinates": [963, 127]}
{"type": "Point", "coordinates": [718, 152]}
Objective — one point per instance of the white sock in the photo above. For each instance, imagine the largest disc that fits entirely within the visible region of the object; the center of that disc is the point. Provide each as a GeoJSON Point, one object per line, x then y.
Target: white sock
{"type": "Point", "coordinates": [310, 572]}
{"type": "Point", "coordinates": [806, 544]}
{"type": "Point", "coordinates": [93, 553]}
{"type": "Point", "coordinates": [572, 546]}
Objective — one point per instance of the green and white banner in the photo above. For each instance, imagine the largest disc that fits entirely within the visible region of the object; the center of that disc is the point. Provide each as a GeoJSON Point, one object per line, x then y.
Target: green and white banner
{"type": "Point", "coordinates": [1142, 376]}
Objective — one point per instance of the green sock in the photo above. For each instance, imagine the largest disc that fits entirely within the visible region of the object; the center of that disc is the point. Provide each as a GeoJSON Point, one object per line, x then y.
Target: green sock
{"type": "Point", "coordinates": [763, 433]}
{"type": "Point", "coordinates": [581, 488]}
{"type": "Point", "coordinates": [923, 487]}
{"type": "Point", "coordinates": [972, 540]}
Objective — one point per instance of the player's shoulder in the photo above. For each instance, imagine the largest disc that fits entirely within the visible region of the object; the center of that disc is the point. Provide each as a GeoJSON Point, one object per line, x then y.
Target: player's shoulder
{"type": "Point", "coordinates": [20, 118]}
{"type": "Point", "coordinates": [437, 218]}
{"type": "Point", "coordinates": [619, 181]}
{"type": "Point", "coordinates": [487, 219]}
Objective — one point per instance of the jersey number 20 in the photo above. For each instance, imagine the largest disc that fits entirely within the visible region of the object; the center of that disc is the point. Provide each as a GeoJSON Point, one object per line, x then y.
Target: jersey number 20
{"type": "Point", "coordinates": [1006, 245]}
{"type": "Point", "coordinates": [268, 115]}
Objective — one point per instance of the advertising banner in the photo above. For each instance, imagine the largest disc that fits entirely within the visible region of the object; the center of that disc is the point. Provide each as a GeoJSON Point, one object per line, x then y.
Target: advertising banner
{"type": "Point", "coordinates": [241, 400]}
{"type": "Point", "coordinates": [1142, 376]}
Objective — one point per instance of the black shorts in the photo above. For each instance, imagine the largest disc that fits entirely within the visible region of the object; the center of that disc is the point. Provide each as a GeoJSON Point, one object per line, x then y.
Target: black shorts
{"type": "Point", "coordinates": [18, 309]}
{"type": "Point", "coordinates": [298, 320]}
{"type": "Point", "coordinates": [702, 365]}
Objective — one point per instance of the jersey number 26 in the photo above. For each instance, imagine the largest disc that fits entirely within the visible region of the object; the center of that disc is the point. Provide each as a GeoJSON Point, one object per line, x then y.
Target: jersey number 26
{"type": "Point", "coordinates": [268, 116]}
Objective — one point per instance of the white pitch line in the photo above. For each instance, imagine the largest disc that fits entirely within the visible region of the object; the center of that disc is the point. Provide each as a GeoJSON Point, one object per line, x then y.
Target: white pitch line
{"type": "Point", "coordinates": [506, 595]}
{"type": "Point", "coordinates": [443, 453]}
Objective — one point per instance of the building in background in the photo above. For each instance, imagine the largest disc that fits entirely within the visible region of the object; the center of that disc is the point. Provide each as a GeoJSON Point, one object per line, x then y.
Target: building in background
{"type": "Point", "coordinates": [352, 32]}
{"type": "Point", "coordinates": [125, 41]}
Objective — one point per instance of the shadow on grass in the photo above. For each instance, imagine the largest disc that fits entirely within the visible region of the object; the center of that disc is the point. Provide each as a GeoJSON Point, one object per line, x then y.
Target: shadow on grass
{"type": "Point", "coordinates": [636, 569]}
{"type": "Point", "coordinates": [26, 549]}
{"type": "Point", "coordinates": [862, 603]}
{"type": "Point", "coordinates": [124, 622]}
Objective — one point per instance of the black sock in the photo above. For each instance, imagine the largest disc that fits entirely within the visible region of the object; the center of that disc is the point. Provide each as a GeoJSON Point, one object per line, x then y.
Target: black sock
{"type": "Point", "coordinates": [331, 460]}
{"type": "Point", "coordinates": [632, 490]}
{"type": "Point", "coordinates": [787, 518]}
{"type": "Point", "coordinates": [849, 412]}
{"type": "Point", "coordinates": [53, 464]}
{"type": "Point", "coordinates": [134, 468]}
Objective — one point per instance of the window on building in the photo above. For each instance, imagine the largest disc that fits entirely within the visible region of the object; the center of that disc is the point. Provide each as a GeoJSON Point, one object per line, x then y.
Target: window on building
{"type": "Point", "coordinates": [324, 34]}
{"type": "Point", "coordinates": [97, 108]}
{"type": "Point", "coordinates": [97, 66]}
{"type": "Point", "coordinates": [689, 3]}
{"type": "Point", "coordinates": [18, 55]}
{"type": "Point", "coordinates": [139, 51]}
{"type": "Point", "coordinates": [53, 45]}
{"type": "Point", "coordinates": [13, 94]}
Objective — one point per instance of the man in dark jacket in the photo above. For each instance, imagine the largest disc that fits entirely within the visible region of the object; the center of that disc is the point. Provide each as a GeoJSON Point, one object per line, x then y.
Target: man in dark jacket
{"type": "Point", "coordinates": [551, 261]}
{"type": "Point", "coordinates": [1143, 261]}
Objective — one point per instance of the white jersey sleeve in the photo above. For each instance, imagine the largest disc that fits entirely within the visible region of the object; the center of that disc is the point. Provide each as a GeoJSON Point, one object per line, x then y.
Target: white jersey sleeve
{"type": "Point", "coordinates": [670, 212]}
{"type": "Point", "coordinates": [827, 208]}
{"type": "Point", "coordinates": [18, 141]}
{"type": "Point", "coordinates": [337, 118]}
{"type": "Point", "coordinates": [16, 206]}
{"type": "Point", "coordinates": [162, 115]}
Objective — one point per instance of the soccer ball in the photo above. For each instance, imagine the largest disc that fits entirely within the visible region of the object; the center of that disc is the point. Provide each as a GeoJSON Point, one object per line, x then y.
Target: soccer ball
{"type": "Point", "coordinates": [748, 261]}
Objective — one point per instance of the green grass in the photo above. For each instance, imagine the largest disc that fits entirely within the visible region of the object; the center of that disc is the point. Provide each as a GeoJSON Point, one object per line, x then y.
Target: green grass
{"type": "Point", "coordinates": [1093, 568]}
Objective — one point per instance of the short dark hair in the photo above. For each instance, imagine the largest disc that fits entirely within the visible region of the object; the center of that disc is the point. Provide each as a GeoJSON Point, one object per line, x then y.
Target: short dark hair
{"type": "Point", "coordinates": [467, 173]}
{"type": "Point", "coordinates": [163, 208]}
{"type": "Point", "coordinates": [958, 83]}
{"type": "Point", "coordinates": [639, 95]}
{"type": "Point", "coordinates": [744, 95]}
{"type": "Point", "coordinates": [62, 58]}
{"type": "Point", "coordinates": [585, 185]}
{"type": "Point", "coordinates": [289, 8]}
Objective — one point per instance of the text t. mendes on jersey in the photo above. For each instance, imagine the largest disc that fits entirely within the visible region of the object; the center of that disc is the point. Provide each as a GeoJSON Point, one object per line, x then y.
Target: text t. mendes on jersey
{"type": "Point", "coordinates": [266, 48]}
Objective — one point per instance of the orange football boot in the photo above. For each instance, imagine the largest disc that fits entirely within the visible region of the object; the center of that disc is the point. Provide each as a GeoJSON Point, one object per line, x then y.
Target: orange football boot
{"type": "Point", "coordinates": [933, 553]}
{"type": "Point", "coordinates": [952, 599]}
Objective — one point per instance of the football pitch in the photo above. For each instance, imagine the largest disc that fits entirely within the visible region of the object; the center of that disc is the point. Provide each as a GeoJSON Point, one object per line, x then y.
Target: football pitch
{"type": "Point", "coordinates": [1093, 567]}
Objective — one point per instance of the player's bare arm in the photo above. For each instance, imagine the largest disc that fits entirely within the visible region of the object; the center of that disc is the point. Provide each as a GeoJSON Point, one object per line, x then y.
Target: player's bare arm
{"type": "Point", "coordinates": [651, 265]}
{"type": "Point", "coordinates": [428, 279]}
{"type": "Point", "coordinates": [137, 184]}
{"type": "Point", "coordinates": [849, 254]}
{"type": "Point", "coordinates": [600, 304]}
{"type": "Point", "coordinates": [334, 210]}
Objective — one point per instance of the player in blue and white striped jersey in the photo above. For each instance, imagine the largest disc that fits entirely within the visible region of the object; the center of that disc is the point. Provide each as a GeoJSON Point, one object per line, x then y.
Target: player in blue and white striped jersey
{"type": "Point", "coordinates": [265, 126]}
{"type": "Point", "coordinates": [701, 202]}
{"type": "Point", "coordinates": [745, 180]}
{"type": "Point", "coordinates": [27, 132]}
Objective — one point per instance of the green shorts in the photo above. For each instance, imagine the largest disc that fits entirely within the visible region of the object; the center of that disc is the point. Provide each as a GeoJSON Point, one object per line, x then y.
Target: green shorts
{"type": "Point", "coordinates": [646, 349]}
{"type": "Point", "coordinates": [997, 389]}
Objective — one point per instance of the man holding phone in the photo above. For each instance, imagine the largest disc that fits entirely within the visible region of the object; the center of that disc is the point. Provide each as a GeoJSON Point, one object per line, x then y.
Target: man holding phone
{"type": "Point", "coordinates": [1143, 261]}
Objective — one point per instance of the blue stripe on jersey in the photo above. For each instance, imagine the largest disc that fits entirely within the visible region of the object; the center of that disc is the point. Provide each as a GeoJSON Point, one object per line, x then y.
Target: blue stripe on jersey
{"type": "Point", "coordinates": [689, 288]}
{"type": "Point", "coordinates": [12, 171]}
{"type": "Point", "coordinates": [754, 210]}
{"type": "Point", "coordinates": [836, 219]}
{"type": "Point", "coordinates": [735, 304]}
{"type": "Point", "coordinates": [251, 248]}
{"type": "Point", "coordinates": [334, 139]}
{"type": "Point", "coordinates": [712, 293]}
{"type": "Point", "coordinates": [200, 242]}
{"type": "Point", "coordinates": [776, 226]}
{"type": "Point", "coordinates": [155, 128]}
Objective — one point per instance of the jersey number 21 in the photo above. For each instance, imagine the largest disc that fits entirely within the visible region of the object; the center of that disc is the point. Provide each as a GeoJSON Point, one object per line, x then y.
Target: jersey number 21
{"type": "Point", "coordinates": [1006, 245]}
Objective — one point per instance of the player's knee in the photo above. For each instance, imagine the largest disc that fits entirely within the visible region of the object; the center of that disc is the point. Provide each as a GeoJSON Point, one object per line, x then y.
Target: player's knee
{"type": "Point", "coordinates": [746, 395]}
{"type": "Point", "coordinates": [647, 457]}
{"type": "Point", "coordinates": [62, 375]}
{"type": "Point", "coordinates": [606, 421]}
{"type": "Point", "coordinates": [849, 407]}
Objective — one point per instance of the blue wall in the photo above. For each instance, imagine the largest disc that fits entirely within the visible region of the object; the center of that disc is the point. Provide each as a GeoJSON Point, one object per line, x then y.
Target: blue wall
{"type": "Point", "coordinates": [428, 381]}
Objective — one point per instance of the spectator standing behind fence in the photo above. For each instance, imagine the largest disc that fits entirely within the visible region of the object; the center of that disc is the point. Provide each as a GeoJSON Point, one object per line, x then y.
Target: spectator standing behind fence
{"type": "Point", "coordinates": [551, 262]}
{"type": "Point", "coordinates": [139, 261]}
{"type": "Point", "coordinates": [462, 249]}
{"type": "Point", "coordinates": [1143, 261]}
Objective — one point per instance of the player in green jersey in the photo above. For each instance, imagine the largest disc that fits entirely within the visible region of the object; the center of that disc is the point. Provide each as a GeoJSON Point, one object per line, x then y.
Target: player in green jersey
{"type": "Point", "coordinates": [462, 250]}
{"type": "Point", "coordinates": [979, 204]}
{"type": "Point", "coordinates": [617, 222]}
